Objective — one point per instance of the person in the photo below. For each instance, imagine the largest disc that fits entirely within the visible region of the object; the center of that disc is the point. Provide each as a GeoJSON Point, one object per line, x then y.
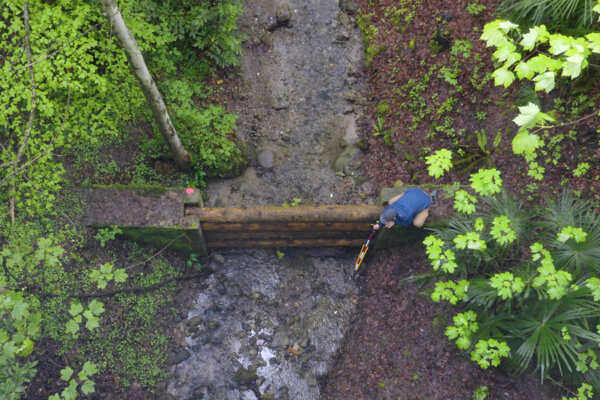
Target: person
{"type": "Point", "coordinates": [410, 207]}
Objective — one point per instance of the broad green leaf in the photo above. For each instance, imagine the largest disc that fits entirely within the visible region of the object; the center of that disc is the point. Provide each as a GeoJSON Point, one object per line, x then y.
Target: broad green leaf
{"type": "Point", "coordinates": [8, 350]}
{"type": "Point", "coordinates": [66, 373]}
{"type": "Point", "coordinates": [25, 348]}
{"type": "Point", "coordinates": [593, 41]}
{"type": "Point", "coordinates": [507, 26]}
{"type": "Point", "coordinates": [535, 35]}
{"type": "Point", "coordinates": [526, 143]}
{"type": "Point", "coordinates": [76, 308]}
{"type": "Point", "coordinates": [106, 268]}
{"type": "Point", "coordinates": [545, 81]}
{"type": "Point", "coordinates": [72, 327]}
{"type": "Point", "coordinates": [492, 35]}
{"type": "Point", "coordinates": [89, 368]}
{"type": "Point", "coordinates": [92, 323]}
{"type": "Point", "coordinates": [559, 43]}
{"type": "Point", "coordinates": [573, 65]}
{"type": "Point", "coordinates": [120, 275]}
{"type": "Point", "coordinates": [88, 387]}
{"type": "Point", "coordinates": [19, 310]}
{"type": "Point", "coordinates": [70, 392]}
{"type": "Point", "coordinates": [503, 77]}
{"type": "Point", "coordinates": [524, 70]}
{"type": "Point", "coordinates": [530, 115]}
{"type": "Point", "coordinates": [96, 307]}
{"type": "Point", "coordinates": [539, 63]}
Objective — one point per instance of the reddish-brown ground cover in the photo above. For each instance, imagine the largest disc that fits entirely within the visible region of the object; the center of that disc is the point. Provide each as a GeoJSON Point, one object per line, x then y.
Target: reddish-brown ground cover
{"type": "Point", "coordinates": [396, 348]}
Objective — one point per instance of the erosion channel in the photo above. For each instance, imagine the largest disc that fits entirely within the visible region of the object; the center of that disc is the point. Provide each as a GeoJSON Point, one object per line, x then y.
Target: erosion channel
{"type": "Point", "coordinates": [268, 322]}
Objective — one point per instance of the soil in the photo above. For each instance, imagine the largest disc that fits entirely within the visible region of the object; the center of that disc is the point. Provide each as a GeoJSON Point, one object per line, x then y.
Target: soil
{"type": "Point", "coordinates": [396, 348]}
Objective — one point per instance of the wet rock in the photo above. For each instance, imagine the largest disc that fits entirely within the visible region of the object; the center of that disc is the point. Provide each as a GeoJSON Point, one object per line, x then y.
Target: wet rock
{"type": "Point", "coordinates": [266, 159]}
{"type": "Point", "coordinates": [245, 376]}
{"type": "Point", "coordinates": [178, 357]}
{"type": "Point", "coordinates": [218, 258]}
{"type": "Point", "coordinates": [195, 321]}
{"type": "Point", "coordinates": [349, 6]}
{"type": "Point", "coordinates": [281, 19]}
{"type": "Point", "coordinates": [345, 158]}
{"type": "Point", "coordinates": [363, 144]}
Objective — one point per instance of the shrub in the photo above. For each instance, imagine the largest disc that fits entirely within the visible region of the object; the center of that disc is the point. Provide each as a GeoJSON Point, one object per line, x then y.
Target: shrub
{"type": "Point", "coordinates": [528, 282]}
{"type": "Point", "coordinates": [560, 15]}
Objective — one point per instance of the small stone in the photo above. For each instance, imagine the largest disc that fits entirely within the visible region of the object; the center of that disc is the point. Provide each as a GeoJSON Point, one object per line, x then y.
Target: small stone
{"type": "Point", "coordinates": [195, 321]}
{"type": "Point", "coordinates": [180, 356]}
{"type": "Point", "coordinates": [266, 159]}
{"type": "Point", "coordinates": [349, 6]}
{"type": "Point", "coordinates": [260, 342]}
{"type": "Point", "coordinates": [218, 258]}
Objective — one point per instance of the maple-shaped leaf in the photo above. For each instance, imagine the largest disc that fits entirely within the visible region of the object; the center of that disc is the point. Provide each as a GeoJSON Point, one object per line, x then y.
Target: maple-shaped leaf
{"type": "Point", "coordinates": [526, 143]}
{"type": "Point", "coordinates": [507, 26]}
{"type": "Point", "coordinates": [492, 35]}
{"type": "Point", "coordinates": [530, 115]}
{"type": "Point", "coordinates": [545, 81]}
{"type": "Point", "coordinates": [503, 77]}
{"type": "Point", "coordinates": [573, 65]}
{"type": "Point", "coordinates": [524, 70]}
{"type": "Point", "coordinates": [535, 35]}
{"type": "Point", "coordinates": [559, 43]}
{"type": "Point", "coordinates": [593, 41]}
{"type": "Point", "coordinates": [539, 63]}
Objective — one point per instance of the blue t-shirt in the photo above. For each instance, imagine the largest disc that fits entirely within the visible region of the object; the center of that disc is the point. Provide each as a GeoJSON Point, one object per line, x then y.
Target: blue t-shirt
{"type": "Point", "coordinates": [412, 202]}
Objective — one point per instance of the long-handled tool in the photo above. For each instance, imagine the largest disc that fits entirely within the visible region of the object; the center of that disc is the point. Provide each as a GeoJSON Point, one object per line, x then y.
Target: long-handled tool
{"type": "Point", "coordinates": [363, 251]}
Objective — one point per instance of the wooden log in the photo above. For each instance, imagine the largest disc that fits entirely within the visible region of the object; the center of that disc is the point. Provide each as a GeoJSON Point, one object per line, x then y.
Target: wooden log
{"type": "Point", "coordinates": [286, 243]}
{"type": "Point", "coordinates": [218, 236]}
{"type": "Point", "coordinates": [288, 226]}
{"type": "Point", "coordinates": [330, 213]}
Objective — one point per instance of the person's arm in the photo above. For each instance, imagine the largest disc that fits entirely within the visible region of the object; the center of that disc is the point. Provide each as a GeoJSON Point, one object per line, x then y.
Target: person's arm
{"type": "Point", "coordinates": [395, 198]}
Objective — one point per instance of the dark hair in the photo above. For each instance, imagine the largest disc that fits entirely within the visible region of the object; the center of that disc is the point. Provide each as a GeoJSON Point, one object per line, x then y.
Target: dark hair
{"type": "Point", "coordinates": [388, 215]}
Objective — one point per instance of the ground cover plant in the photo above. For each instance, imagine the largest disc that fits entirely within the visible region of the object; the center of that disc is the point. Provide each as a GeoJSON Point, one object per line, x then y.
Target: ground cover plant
{"type": "Point", "coordinates": [449, 120]}
{"type": "Point", "coordinates": [77, 313]}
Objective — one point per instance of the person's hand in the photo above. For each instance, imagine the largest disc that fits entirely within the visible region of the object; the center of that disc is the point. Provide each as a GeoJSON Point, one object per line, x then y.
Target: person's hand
{"type": "Point", "coordinates": [389, 224]}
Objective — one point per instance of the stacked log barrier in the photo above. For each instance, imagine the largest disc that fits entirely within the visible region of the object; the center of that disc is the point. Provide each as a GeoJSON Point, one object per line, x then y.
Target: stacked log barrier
{"type": "Point", "coordinates": [302, 226]}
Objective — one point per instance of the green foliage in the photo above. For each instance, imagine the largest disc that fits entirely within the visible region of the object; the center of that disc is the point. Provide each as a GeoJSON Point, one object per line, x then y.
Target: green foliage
{"type": "Point", "coordinates": [439, 162]}
{"type": "Point", "coordinates": [541, 57]}
{"type": "Point", "coordinates": [106, 273]}
{"type": "Point", "coordinates": [464, 202]}
{"type": "Point", "coordinates": [486, 182]}
{"type": "Point", "coordinates": [95, 308]}
{"type": "Point", "coordinates": [474, 8]}
{"type": "Point", "coordinates": [83, 378]}
{"type": "Point", "coordinates": [530, 280]}
{"type": "Point", "coordinates": [369, 33]}
{"type": "Point", "coordinates": [489, 352]}
{"type": "Point", "coordinates": [77, 68]}
{"type": "Point", "coordinates": [481, 393]}
{"type": "Point", "coordinates": [582, 169]}
{"type": "Point", "coordinates": [19, 326]}
{"type": "Point", "coordinates": [106, 234]}
{"type": "Point", "coordinates": [562, 15]}
{"type": "Point", "coordinates": [465, 324]}
{"type": "Point", "coordinates": [584, 392]}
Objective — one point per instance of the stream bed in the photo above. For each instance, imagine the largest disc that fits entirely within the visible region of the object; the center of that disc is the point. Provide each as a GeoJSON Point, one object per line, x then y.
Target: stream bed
{"type": "Point", "coordinates": [269, 321]}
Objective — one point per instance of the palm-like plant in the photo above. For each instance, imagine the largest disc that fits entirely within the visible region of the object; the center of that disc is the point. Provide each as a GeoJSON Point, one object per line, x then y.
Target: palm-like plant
{"type": "Point", "coordinates": [561, 15]}
{"type": "Point", "coordinates": [540, 302]}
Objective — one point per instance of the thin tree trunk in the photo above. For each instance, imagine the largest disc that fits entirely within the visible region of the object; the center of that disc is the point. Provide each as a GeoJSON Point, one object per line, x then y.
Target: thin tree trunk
{"type": "Point", "coordinates": [153, 96]}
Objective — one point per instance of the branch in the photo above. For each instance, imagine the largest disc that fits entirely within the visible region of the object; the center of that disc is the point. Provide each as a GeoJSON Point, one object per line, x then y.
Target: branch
{"type": "Point", "coordinates": [566, 123]}
{"type": "Point", "coordinates": [32, 83]}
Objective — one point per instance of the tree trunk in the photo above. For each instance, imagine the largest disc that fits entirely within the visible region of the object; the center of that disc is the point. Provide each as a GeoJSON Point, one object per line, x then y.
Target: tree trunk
{"type": "Point", "coordinates": [153, 96]}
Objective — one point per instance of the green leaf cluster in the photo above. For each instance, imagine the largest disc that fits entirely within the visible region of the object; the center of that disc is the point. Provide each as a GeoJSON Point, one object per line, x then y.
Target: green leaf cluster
{"type": "Point", "coordinates": [107, 273]}
{"type": "Point", "coordinates": [532, 284]}
{"type": "Point", "coordinates": [439, 163]}
{"type": "Point", "coordinates": [83, 378]}
{"type": "Point", "coordinates": [19, 327]}
{"type": "Point", "coordinates": [95, 308]}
